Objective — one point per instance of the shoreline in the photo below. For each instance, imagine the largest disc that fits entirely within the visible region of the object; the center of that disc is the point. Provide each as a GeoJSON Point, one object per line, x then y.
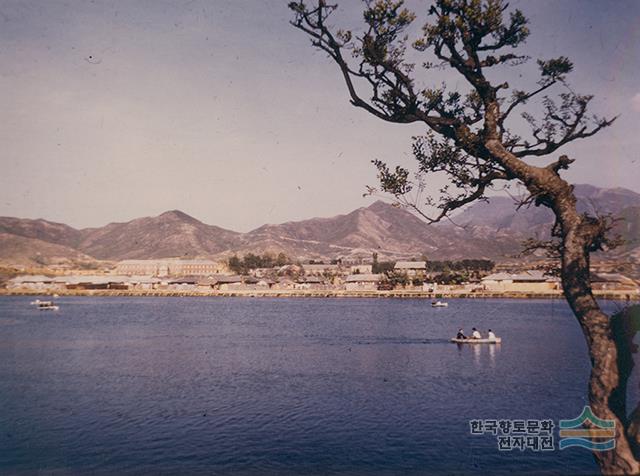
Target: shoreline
{"type": "Point", "coordinates": [394, 294]}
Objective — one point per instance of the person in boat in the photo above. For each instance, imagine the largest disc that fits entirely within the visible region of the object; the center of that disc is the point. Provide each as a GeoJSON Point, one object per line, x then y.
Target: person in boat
{"type": "Point", "coordinates": [491, 335]}
{"type": "Point", "coordinates": [476, 334]}
{"type": "Point", "coordinates": [460, 334]}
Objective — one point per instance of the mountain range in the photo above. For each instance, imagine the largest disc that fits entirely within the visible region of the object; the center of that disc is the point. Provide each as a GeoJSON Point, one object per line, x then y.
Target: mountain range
{"type": "Point", "coordinates": [490, 230]}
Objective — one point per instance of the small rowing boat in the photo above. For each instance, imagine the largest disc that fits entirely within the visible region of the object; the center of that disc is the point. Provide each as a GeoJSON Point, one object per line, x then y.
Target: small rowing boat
{"type": "Point", "coordinates": [439, 304]}
{"type": "Point", "coordinates": [497, 340]}
{"type": "Point", "coordinates": [47, 306]}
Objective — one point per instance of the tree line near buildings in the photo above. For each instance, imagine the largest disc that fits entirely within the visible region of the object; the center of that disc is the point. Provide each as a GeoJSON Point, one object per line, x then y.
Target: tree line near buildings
{"type": "Point", "coordinates": [458, 272]}
{"type": "Point", "coordinates": [465, 265]}
{"type": "Point", "coordinates": [442, 272]}
{"type": "Point", "coordinates": [252, 261]}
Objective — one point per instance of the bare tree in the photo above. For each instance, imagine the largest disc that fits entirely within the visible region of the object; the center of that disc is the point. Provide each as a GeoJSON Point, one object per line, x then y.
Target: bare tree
{"type": "Point", "coordinates": [468, 138]}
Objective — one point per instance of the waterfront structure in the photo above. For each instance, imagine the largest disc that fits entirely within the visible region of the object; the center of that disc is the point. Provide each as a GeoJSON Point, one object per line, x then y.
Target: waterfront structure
{"type": "Point", "coordinates": [97, 282]}
{"type": "Point", "coordinates": [413, 269]}
{"type": "Point", "coordinates": [216, 282]}
{"type": "Point", "coordinates": [524, 284]}
{"type": "Point", "coordinates": [144, 282]}
{"type": "Point", "coordinates": [361, 269]}
{"type": "Point", "coordinates": [429, 287]}
{"type": "Point", "coordinates": [528, 282]}
{"type": "Point", "coordinates": [224, 283]}
{"type": "Point", "coordinates": [290, 270]}
{"type": "Point", "coordinates": [83, 281]}
{"type": "Point", "coordinates": [264, 272]}
{"type": "Point", "coordinates": [265, 283]}
{"type": "Point", "coordinates": [363, 282]}
{"type": "Point", "coordinates": [613, 282]}
{"type": "Point", "coordinates": [309, 282]}
{"type": "Point", "coordinates": [284, 283]}
{"type": "Point", "coordinates": [187, 283]}
{"type": "Point", "coordinates": [320, 269]}
{"type": "Point", "coordinates": [235, 282]}
{"type": "Point", "coordinates": [169, 267]}
{"type": "Point", "coordinates": [34, 282]}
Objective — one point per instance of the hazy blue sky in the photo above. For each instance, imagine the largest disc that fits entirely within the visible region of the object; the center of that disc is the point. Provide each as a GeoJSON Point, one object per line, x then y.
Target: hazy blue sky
{"type": "Point", "coordinates": [112, 110]}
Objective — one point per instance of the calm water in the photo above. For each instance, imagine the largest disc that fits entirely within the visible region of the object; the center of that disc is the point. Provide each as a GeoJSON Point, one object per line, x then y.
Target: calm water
{"type": "Point", "coordinates": [349, 386]}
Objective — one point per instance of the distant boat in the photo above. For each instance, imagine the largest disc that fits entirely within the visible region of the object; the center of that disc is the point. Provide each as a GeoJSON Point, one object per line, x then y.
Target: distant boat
{"type": "Point", "coordinates": [56, 295]}
{"type": "Point", "coordinates": [47, 306]}
{"type": "Point", "coordinates": [439, 304]}
{"type": "Point", "coordinates": [497, 340]}
{"type": "Point", "coordinates": [36, 302]}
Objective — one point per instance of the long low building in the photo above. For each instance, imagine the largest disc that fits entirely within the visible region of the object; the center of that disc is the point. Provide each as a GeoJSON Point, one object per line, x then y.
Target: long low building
{"type": "Point", "coordinates": [83, 281]}
{"type": "Point", "coordinates": [613, 282]}
{"type": "Point", "coordinates": [36, 282]}
{"type": "Point", "coordinates": [528, 282]}
{"type": "Point", "coordinates": [363, 282]}
{"type": "Point", "coordinates": [169, 267]}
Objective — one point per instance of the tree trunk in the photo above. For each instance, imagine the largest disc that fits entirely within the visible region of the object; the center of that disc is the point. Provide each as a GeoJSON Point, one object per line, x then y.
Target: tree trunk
{"type": "Point", "coordinates": [605, 373]}
{"type": "Point", "coordinates": [579, 236]}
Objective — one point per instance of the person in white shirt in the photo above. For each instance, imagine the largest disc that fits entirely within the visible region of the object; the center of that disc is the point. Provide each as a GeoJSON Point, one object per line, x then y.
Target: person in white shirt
{"type": "Point", "coordinates": [491, 336]}
{"type": "Point", "coordinates": [476, 334]}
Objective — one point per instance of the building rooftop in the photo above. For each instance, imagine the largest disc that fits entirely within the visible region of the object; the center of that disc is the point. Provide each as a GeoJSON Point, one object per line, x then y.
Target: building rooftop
{"type": "Point", "coordinates": [534, 275]}
{"type": "Point", "coordinates": [612, 278]}
{"type": "Point", "coordinates": [36, 278]}
{"type": "Point", "coordinates": [225, 279]}
{"type": "Point", "coordinates": [185, 280]}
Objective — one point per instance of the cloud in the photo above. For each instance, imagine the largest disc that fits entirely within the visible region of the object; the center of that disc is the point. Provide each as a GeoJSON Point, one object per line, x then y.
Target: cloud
{"type": "Point", "coordinates": [635, 102]}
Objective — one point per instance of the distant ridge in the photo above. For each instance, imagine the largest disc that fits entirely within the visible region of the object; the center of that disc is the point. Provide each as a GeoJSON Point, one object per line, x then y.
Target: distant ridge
{"type": "Point", "coordinates": [171, 234]}
{"type": "Point", "coordinates": [491, 230]}
{"type": "Point", "coordinates": [500, 212]}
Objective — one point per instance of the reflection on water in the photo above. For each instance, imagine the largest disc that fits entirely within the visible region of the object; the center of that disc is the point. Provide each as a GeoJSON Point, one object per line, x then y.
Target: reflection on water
{"type": "Point", "coordinates": [478, 350]}
{"type": "Point", "coordinates": [493, 349]}
{"type": "Point", "coordinates": [276, 385]}
{"type": "Point", "coordinates": [476, 354]}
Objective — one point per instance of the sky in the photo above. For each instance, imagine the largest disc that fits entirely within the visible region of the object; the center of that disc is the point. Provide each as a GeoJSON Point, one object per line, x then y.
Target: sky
{"type": "Point", "coordinates": [113, 110]}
